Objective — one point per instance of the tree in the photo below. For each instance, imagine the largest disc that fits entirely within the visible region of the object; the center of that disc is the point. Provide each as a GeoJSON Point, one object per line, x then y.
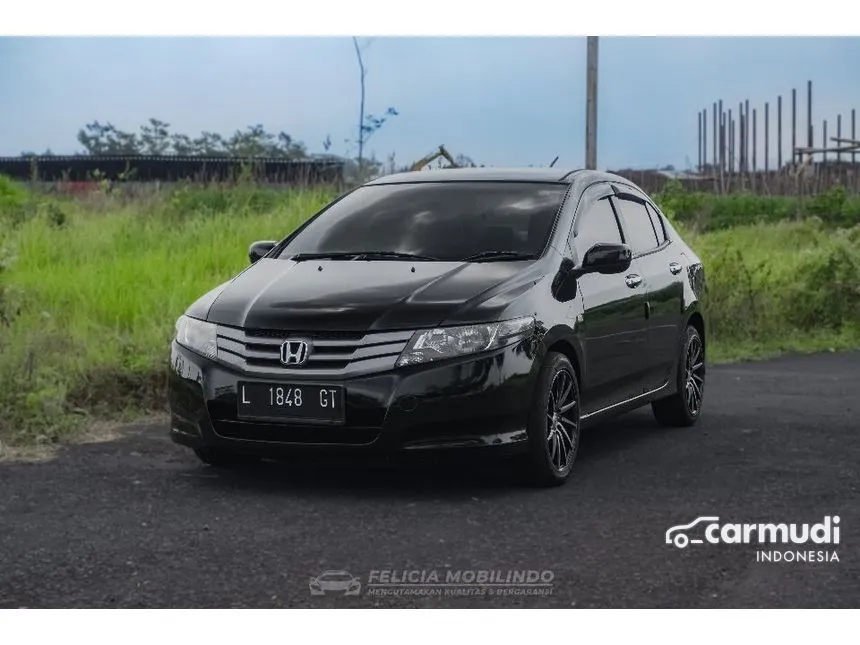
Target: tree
{"type": "Point", "coordinates": [182, 144]}
{"type": "Point", "coordinates": [155, 138]}
{"type": "Point", "coordinates": [209, 144]}
{"type": "Point", "coordinates": [100, 139]}
{"type": "Point", "coordinates": [368, 124]}
{"type": "Point", "coordinates": [362, 76]}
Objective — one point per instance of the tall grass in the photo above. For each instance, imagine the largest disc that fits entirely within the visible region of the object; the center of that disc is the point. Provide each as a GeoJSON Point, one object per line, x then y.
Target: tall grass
{"type": "Point", "coordinates": [90, 303]}
{"type": "Point", "coordinates": [788, 286]}
{"type": "Point", "coordinates": [712, 212]}
{"type": "Point", "coordinates": [90, 289]}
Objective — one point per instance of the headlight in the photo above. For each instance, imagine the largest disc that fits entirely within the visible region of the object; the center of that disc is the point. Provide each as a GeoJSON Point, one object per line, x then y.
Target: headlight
{"type": "Point", "coordinates": [448, 342]}
{"type": "Point", "coordinates": [198, 336]}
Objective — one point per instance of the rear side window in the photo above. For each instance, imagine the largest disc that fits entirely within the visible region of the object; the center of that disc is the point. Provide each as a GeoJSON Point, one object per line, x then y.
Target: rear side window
{"type": "Point", "coordinates": [657, 223]}
{"type": "Point", "coordinates": [637, 226]}
{"type": "Point", "coordinates": [595, 225]}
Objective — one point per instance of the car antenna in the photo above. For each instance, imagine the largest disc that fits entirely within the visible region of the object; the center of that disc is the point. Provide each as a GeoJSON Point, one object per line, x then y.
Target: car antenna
{"type": "Point", "coordinates": [553, 162]}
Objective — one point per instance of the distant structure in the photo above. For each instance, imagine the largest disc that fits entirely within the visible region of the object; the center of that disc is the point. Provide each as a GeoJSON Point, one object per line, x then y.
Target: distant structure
{"type": "Point", "coordinates": [734, 152]}
{"type": "Point", "coordinates": [140, 168]}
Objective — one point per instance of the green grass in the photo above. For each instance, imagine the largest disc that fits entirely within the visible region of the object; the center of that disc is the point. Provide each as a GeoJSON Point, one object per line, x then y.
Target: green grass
{"type": "Point", "coordinates": [711, 212]}
{"type": "Point", "coordinates": [90, 289]}
{"type": "Point", "coordinates": [789, 286]}
{"type": "Point", "coordinates": [96, 298]}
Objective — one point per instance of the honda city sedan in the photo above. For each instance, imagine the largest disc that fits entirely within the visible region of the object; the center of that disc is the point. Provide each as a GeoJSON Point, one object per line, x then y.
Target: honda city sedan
{"type": "Point", "coordinates": [461, 308]}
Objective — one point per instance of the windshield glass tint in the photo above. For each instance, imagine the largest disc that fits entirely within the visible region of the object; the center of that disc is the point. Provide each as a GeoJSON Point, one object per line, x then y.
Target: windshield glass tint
{"type": "Point", "coordinates": [448, 221]}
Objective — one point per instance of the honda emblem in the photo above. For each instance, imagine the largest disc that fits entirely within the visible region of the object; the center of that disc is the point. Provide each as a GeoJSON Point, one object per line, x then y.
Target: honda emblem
{"type": "Point", "coordinates": [295, 352]}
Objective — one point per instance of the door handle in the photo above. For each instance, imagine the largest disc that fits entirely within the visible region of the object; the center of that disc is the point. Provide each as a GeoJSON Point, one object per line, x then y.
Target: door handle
{"type": "Point", "coordinates": [675, 268]}
{"type": "Point", "coordinates": [633, 280]}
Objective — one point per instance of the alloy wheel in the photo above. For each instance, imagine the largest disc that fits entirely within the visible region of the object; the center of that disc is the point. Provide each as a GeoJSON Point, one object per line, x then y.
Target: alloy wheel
{"type": "Point", "coordinates": [562, 423]}
{"type": "Point", "coordinates": [694, 376]}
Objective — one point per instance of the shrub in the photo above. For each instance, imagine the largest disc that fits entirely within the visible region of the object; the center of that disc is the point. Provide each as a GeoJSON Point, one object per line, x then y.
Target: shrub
{"type": "Point", "coordinates": [12, 195]}
{"type": "Point", "coordinates": [710, 212]}
{"type": "Point", "coordinates": [826, 290]}
{"type": "Point", "coordinates": [834, 207]}
{"type": "Point", "coordinates": [771, 281]}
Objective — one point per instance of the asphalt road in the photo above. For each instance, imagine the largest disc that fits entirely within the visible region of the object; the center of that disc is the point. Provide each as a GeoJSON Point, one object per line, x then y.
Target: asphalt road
{"type": "Point", "coordinates": [137, 522]}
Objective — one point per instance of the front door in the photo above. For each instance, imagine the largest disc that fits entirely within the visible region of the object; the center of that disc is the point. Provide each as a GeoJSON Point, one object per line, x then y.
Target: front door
{"type": "Point", "coordinates": [614, 324]}
{"type": "Point", "coordinates": [660, 265]}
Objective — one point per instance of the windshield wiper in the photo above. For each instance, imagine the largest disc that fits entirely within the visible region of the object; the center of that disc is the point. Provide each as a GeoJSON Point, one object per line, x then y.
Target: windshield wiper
{"type": "Point", "coordinates": [323, 256]}
{"type": "Point", "coordinates": [499, 255]}
{"type": "Point", "coordinates": [394, 255]}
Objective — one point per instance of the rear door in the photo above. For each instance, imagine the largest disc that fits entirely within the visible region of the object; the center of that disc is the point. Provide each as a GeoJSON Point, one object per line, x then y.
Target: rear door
{"type": "Point", "coordinates": [662, 272]}
{"type": "Point", "coordinates": [614, 325]}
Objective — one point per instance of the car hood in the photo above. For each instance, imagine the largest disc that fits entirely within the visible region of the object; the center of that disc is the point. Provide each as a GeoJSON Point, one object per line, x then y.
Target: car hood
{"type": "Point", "coordinates": [362, 296]}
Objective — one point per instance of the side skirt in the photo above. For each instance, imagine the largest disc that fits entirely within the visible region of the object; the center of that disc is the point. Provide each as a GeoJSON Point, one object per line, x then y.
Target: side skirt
{"type": "Point", "coordinates": [592, 418]}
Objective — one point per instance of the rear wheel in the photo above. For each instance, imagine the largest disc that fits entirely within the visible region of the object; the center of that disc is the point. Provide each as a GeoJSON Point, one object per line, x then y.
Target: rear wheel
{"type": "Point", "coordinates": [684, 407]}
{"type": "Point", "coordinates": [222, 458]}
{"type": "Point", "coordinates": [554, 423]}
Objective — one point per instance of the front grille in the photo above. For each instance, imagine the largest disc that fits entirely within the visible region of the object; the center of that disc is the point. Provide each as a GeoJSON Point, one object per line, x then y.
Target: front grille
{"type": "Point", "coordinates": [331, 354]}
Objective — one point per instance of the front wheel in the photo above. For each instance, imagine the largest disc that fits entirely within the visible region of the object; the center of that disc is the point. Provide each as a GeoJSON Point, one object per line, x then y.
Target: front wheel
{"type": "Point", "coordinates": [553, 430]}
{"type": "Point", "coordinates": [684, 407]}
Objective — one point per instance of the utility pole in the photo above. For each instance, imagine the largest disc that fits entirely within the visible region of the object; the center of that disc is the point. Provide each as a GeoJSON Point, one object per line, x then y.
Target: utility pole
{"type": "Point", "coordinates": [591, 105]}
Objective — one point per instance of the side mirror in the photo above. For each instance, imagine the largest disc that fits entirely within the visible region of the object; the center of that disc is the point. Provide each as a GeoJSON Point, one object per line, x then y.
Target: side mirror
{"type": "Point", "coordinates": [259, 249]}
{"type": "Point", "coordinates": [606, 259]}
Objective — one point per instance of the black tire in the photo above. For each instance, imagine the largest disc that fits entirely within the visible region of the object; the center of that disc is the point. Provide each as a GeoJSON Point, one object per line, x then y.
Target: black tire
{"type": "Point", "coordinates": [554, 423]}
{"type": "Point", "coordinates": [685, 406]}
{"type": "Point", "coordinates": [222, 458]}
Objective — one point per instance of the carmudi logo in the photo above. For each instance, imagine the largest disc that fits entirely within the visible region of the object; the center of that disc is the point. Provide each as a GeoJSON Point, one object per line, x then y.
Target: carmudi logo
{"type": "Point", "coordinates": [709, 530]}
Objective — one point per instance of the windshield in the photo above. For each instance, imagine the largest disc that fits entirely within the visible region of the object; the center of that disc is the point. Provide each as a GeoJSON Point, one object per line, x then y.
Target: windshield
{"type": "Point", "coordinates": [447, 221]}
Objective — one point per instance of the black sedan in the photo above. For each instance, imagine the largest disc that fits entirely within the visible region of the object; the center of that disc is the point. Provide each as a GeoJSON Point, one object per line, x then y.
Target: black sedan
{"type": "Point", "coordinates": [460, 308]}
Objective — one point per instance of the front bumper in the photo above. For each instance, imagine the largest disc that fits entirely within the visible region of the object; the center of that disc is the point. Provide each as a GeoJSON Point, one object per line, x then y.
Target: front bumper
{"type": "Point", "coordinates": [472, 401]}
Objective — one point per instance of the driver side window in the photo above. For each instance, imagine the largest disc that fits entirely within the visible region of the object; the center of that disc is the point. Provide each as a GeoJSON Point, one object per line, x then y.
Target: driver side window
{"type": "Point", "coordinates": [597, 224]}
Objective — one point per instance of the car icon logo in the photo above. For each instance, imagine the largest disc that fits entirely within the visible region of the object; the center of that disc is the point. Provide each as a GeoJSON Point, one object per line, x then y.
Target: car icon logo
{"type": "Point", "coordinates": [335, 581]}
{"type": "Point", "coordinates": [677, 534]}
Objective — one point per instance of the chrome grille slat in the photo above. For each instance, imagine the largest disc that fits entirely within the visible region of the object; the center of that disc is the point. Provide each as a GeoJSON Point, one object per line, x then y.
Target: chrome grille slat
{"type": "Point", "coordinates": [367, 366]}
{"type": "Point", "coordinates": [231, 346]}
{"type": "Point", "coordinates": [360, 353]}
{"type": "Point", "coordinates": [274, 339]}
{"type": "Point", "coordinates": [258, 352]}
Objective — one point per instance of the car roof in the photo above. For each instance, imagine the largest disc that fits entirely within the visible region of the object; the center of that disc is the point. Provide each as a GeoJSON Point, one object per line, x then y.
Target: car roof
{"type": "Point", "coordinates": [550, 175]}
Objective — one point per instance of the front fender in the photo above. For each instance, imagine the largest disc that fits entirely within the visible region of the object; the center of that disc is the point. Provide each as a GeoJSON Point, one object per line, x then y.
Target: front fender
{"type": "Point", "coordinates": [560, 337]}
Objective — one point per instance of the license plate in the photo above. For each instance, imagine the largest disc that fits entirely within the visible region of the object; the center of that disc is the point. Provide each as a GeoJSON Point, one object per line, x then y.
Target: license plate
{"type": "Point", "coordinates": [284, 401]}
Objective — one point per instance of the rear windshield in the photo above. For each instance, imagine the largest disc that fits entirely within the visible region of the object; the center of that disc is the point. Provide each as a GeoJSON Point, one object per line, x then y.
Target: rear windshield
{"type": "Point", "coordinates": [447, 221]}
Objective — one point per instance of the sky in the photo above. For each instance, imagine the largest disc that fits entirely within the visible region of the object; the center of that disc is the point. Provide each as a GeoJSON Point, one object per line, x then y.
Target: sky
{"type": "Point", "coordinates": [500, 101]}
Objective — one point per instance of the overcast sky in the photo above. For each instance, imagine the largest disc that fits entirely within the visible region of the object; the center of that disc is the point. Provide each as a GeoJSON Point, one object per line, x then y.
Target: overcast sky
{"type": "Point", "coordinates": [502, 101]}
